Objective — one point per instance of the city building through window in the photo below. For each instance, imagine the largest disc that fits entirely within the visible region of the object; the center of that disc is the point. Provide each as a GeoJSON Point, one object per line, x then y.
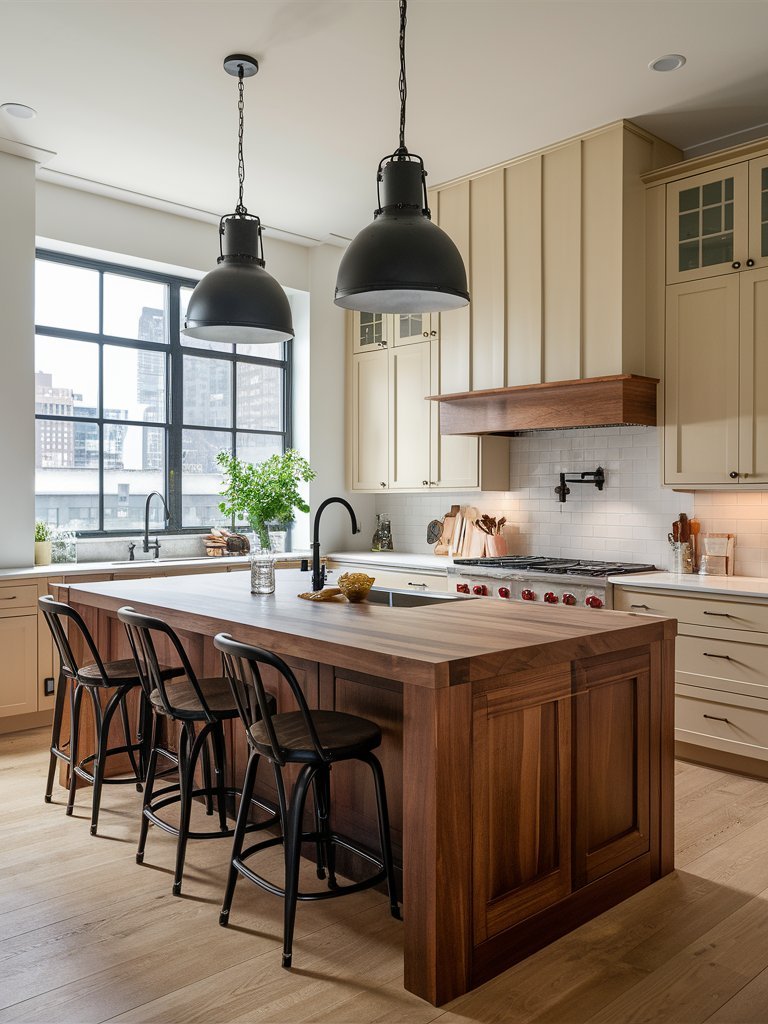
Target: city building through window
{"type": "Point", "coordinates": [125, 404]}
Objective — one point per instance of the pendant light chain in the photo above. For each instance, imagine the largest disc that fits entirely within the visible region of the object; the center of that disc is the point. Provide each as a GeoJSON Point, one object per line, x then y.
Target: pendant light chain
{"type": "Point", "coordinates": [403, 82]}
{"type": "Point", "coordinates": [240, 208]}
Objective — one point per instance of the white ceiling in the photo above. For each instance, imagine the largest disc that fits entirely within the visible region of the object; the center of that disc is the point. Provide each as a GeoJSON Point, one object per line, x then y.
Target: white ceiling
{"type": "Point", "coordinates": [132, 94]}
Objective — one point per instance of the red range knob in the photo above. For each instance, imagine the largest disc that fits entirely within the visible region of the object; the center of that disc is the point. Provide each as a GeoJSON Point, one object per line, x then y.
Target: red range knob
{"type": "Point", "coordinates": [528, 595]}
{"type": "Point", "coordinates": [593, 601]}
{"type": "Point", "coordinates": [480, 589]}
{"type": "Point", "coordinates": [462, 588]}
{"type": "Point", "coordinates": [550, 597]}
{"type": "Point", "coordinates": [569, 599]}
{"type": "Point", "coordinates": [503, 591]}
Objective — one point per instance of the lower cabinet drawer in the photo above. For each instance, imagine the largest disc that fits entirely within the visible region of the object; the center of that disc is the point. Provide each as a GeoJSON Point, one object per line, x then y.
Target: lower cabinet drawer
{"type": "Point", "coordinates": [397, 580]}
{"type": "Point", "coordinates": [704, 610]}
{"type": "Point", "coordinates": [722, 721]}
{"type": "Point", "coordinates": [722, 664]}
{"type": "Point", "coordinates": [15, 599]}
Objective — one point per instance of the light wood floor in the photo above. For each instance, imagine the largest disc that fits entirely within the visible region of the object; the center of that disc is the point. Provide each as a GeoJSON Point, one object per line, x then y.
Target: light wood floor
{"type": "Point", "coordinates": [89, 936]}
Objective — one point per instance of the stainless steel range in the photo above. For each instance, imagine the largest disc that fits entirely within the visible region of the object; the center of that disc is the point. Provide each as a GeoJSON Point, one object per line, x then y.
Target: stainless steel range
{"type": "Point", "coordinates": [567, 581]}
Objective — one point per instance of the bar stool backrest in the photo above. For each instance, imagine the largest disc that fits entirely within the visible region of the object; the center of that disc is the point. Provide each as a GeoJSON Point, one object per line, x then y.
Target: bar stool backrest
{"type": "Point", "coordinates": [140, 629]}
{"type": "Point", "coordinates": [242, 668]}
{"type": "Point", "coordinates": [54, 612]}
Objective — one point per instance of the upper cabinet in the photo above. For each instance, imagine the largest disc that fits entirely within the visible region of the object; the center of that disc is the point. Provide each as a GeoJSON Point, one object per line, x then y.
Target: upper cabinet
{"type": "Point", "coordinates": [371, 331]}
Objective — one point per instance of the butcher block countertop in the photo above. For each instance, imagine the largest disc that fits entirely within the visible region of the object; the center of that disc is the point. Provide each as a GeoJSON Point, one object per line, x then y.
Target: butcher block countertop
{"type": "Point", "coordinates": [433, 646]}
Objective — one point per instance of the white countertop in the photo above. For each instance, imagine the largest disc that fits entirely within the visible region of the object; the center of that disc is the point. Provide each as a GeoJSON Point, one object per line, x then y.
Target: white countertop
{"type": "Point", "coordinates": [733, 586]}
{"type": "Point", "coordinates": [394, 560]}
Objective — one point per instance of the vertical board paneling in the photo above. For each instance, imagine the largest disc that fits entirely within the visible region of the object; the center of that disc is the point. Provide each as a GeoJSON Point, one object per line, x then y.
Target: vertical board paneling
{"type": "Point", "coordinates": [524, 270]}
{"type": "Point", "coordinates": [487, 308]}
{"type": "Point", "coordinates": [601, 254]}
{"type": "Point", "coordinates": [561, 195]}
{"type": "Point", "coordinates": [455, 368]}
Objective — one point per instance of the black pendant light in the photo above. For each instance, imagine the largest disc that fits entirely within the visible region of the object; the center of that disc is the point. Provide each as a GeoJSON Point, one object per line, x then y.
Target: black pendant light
{"type": "Point", "coordinates": [239, 301]}
{"type": "Point", "coordinates": [402, 262]}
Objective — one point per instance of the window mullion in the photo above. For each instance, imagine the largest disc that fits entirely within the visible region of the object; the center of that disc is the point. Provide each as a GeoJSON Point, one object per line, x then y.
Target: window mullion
{"type": "Point", "coordinates": [175, 392]}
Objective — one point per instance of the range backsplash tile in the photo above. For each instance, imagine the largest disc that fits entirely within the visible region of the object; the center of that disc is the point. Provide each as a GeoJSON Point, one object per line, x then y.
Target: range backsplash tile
{"type": "Point", "coordinates": [744, 513]}
{"type": "Point", "coordinates": [629, 520]}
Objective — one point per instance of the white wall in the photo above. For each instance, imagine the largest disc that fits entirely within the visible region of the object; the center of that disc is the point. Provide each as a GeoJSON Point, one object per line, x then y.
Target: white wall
{"type": "Point", "coordinates": [628, 520]}
{"type": "Point", "coordinates": [327, 407]}
{"type": "Point", "coordinates": [17, 397]}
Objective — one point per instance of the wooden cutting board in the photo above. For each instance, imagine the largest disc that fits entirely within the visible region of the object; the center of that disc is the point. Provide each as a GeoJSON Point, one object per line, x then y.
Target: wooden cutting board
{"type": "Point", "coordinates": [477, 543]}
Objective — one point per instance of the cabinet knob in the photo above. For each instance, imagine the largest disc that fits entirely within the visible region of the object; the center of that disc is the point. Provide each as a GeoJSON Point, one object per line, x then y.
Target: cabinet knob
{"type": "Point", "coordinates": [734, 475]}
{"type": "Point", "coordinates": [383, 484]}
{"type": "Point", "coordinates": [426, 334]}
{"type": "Point", "coordinates": [432, 483]}
{"type": "Point", "coordinates": [750, 263]}
{"type": "Point", "coordinates": [736, 264]}
{"type": "Point", "coordinates": [425, 483]}
{"type": "Point", "coordinates": [433, 334]}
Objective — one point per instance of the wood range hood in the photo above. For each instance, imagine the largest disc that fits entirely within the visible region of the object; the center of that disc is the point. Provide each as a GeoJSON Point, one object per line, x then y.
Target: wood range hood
{"type": "Point", "coordinates": [621, 400]}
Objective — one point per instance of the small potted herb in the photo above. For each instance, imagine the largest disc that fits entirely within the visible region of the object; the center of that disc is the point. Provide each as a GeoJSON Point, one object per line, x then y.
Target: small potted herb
{"type": "Point", "coordinates": [43, 545]}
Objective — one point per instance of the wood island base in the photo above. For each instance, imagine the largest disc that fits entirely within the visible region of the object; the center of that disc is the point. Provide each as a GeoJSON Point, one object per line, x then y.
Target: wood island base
{"type": "Point", "coordinates": [528, 751]}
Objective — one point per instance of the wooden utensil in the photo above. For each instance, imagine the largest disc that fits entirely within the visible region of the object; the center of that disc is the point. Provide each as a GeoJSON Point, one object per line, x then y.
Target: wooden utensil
{"type": "Point", "coordinates": [685, 530]}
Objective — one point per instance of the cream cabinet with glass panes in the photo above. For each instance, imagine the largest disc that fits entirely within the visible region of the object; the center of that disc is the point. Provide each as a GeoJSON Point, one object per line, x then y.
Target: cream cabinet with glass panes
{"type": "Point", "coordinates": [371, 331]}
{"type": "Point", "coordinates": [411, 328]}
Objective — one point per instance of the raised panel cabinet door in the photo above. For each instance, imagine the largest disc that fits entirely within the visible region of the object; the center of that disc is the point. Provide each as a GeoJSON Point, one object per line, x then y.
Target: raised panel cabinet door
{"type": "Point", "coordinates": [18, 664]}
{"type": "Point", "coordinates": [701, 394]}
{"type": "Point", "coordinates": [409, 417]}
{"type": "Point", "coordinates": [521, 796]}
{"type": "Point", "coordinates": [369, 421]}
{"type": "Point", "coordinates": [707, 224]}
{"type": "Point", "coordinates": [371, 331]}
{"type": "Point", "coordinates": [455, 326]}
{"type": "Point", "coordinates": [454, 459]}
{"type": "Point", "coordinates": [487, 280]}
{"type": "Point", "coordinates": [753, 372]}
{"type": "Point", "coordinates": [613, 758]}
{"type": "Point", "coordinates": [758, 211]}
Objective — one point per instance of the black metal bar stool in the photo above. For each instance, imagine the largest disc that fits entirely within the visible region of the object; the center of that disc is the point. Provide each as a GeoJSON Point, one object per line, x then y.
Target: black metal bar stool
{"type": "Point", "coordinates": [94, 678]}
{"type": "Point", "coordinates": [316, 740]}
{"type": "Point", "coordinates": [200, 706]}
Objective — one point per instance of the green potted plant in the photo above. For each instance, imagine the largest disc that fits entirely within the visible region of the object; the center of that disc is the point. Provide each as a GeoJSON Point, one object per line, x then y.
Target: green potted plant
{"type": "Point", "coordinates": [265, 493]}
{"type": "Point", "coordinates": [43, 545]}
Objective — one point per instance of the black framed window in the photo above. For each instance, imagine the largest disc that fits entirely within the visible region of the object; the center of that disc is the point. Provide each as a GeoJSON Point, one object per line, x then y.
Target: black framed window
{"type": "Point", "coordinates": [125, 404]}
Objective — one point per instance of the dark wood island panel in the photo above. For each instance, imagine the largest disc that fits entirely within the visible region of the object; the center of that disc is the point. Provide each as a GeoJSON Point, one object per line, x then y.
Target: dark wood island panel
{"type": "Point", "coordinates": [528, 750]}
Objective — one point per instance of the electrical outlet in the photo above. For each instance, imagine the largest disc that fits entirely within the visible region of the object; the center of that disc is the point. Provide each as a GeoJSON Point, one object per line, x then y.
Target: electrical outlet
{"type": "Point", "coordinates": [48, 686]}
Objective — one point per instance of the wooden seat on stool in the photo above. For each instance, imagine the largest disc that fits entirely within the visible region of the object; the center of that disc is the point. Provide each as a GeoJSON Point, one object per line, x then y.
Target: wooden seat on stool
{"type": "Point", "coordinates": [118, 676]}
{"type": "Point", "coordinates": [200, 706]}
{"type": "Point", "coordinates": [316, 740]}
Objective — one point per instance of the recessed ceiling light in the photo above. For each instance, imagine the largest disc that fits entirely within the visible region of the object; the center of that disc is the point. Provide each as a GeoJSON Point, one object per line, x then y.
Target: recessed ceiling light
{"type": "Point", "coordinates": [669, 62]}
{"type": "Point", "coordinates": [19, 110]}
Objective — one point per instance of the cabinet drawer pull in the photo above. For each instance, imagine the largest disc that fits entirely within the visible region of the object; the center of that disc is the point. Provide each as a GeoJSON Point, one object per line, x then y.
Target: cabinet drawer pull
{"type": "Point", "coordinates": [720, 615]}
{"type": "Point", "coordinates": [725, 657]}
{"type": "Point", "coordinates": [424, 585]}
{"type": "Point", "coordinates": [717, 718]}
{"type": "Point", "coordinates": [639, 606]}
{"type": "Point", "coordinates": [12, 598]}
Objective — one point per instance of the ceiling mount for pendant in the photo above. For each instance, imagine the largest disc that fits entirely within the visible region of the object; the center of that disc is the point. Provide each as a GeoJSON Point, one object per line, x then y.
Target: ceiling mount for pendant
{"type": "Point", "coordinates": [239, 302]}
{"type": "Point", "coordinates": [402, 262]}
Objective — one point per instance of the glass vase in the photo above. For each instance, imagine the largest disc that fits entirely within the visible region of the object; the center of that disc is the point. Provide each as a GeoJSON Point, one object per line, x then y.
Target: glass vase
{"type": "Point", "coordinates": [262, 561]}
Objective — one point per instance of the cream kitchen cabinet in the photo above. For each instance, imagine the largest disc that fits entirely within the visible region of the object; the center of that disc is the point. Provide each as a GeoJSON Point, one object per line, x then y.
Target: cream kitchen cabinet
{"type": "Point", "coordinates": [716, 369]}
{"type": "Point", "coordinates": [717, 221]}
{"type": "Point", "coordinates": [371, 331]}
{"type": "Point", "coordinates": [368, 433]}
{"type": "Point", "coordinates": [18, 646]}
{"type": "Point", "coordinates": [721, 671]}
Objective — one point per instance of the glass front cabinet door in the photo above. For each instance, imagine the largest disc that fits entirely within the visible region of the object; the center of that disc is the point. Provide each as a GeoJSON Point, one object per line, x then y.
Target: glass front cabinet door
{"type": "Point", "coordinates": [412, 327]}
{"type": "Point", "coordinates": [758, 211]}
{"type": "Point", "coordinates": [371, 331]}
{"type": "Point", "coordinates": [708, 224]}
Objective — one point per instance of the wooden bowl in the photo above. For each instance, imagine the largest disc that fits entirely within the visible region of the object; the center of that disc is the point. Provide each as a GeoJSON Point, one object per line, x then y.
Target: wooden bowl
{"type": "Point", "coordinates": [355, 585]}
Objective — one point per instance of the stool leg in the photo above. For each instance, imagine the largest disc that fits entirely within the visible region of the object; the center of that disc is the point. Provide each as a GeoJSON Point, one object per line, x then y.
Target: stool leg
{"type": "Point", "coordinates": [323, 788]}
{"type": "Point", "coordinates": [103, 723]}
{"type": "Point", "coordinates": [220, 769]}
{"type": "Point", "coordinates": [75, 701]}
{"type": "Point", "coordinates": [293, 857]}
{"type": "Point", "coordinates": [58, 715]}
{"type": "Point", "coordinates": [129, 740]}
{"type": "Point", "coordinates": [190, 748]}
{"type": "Point", "coordinates": [207, 780]}
{"type": "Point", "coordinates": [239, 837]}
{"type": "Point", "coordinates": [149, 786]}
{"type": "Point", "coordinates": [384, 836]}
{"type": "Point", "coordinates": [320, 826]}
{"type": "Point", "coordinates": [144, 736]}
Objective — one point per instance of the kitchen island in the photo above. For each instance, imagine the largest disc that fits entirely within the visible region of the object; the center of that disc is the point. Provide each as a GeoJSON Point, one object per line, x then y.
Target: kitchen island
{"type": "Point", "coordinates": [528, 750]}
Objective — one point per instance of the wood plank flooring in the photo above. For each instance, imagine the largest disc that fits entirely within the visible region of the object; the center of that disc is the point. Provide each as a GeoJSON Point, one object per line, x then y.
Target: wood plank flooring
{"type": "Point", "coordinates": [86, 935]}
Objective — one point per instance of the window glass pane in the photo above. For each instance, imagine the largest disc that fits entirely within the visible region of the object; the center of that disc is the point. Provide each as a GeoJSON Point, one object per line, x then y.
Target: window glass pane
{"type": "Point", "coordinates": [716, 249]}
{"type": "Point", "coordinates": [711, 193]}
{"type": "Point", "coordinates": [66, 377]}
{"type": "Point", "coordinates": [729, 188]}
{"type": "Point", "coordinates": [134, 384]}
{"type": "Point", "coordinates": [201, 479]}
{"type": "Point", "coordinates": [728, 217]}
{"type": "Point", "coordinates": [274, 351]}
{"type": "Point", "coordinates": [689, 225]}
{"type": "Point", "coordinates": [259, 397]}
{"type": "Point", "coordinates": [764, 177]}
{"type": "Point", "coordinates": [711, 223]}
{"type": "Point", "coordinates": [688, 199]}
{"type": "Point", "coordinates": [66, 297]}
{"type": "Point", "coordinates": [688, 256]}
{"type": "Point", "coordinates": [210, 346]}
{"type": "Point", "coordinates": [135, 308]}
{"type": "Point", "coordinates": [134, 465]}
{"type": "Point", "coordinates": [67, 473]}
{"type": "Point", "coordinates": [207, 392]}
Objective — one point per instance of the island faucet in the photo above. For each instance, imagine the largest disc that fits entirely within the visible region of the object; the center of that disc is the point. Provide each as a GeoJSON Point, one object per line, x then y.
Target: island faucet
{"type": "Point", "coordinates": [318, 571]}
{"type": "Point", "coordinates": [155, 545]}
